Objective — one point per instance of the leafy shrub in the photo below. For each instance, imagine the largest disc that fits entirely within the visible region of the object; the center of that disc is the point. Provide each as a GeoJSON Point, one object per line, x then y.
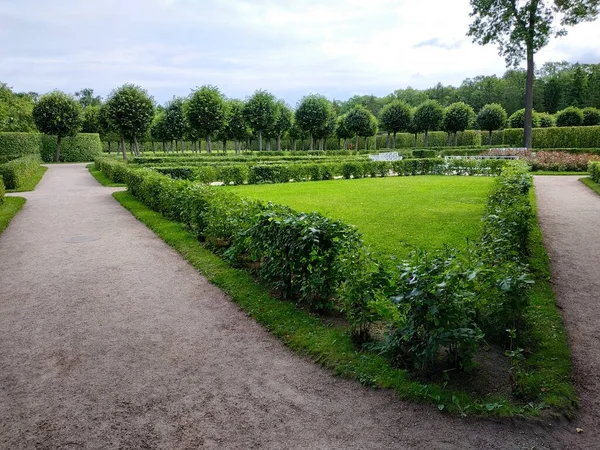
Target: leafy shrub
{"type": "Point", "coordinates": [276, 173]}
{"type": "Point", "coordinates": [15, 145]}
{"type": "Point", "coordinates": [178, 173]}
{"type": "Point", "coordinates": [81, 148]}
{"type": "Point", "coordinates": [115, 170]}
{"type": "Point", "coordinates": [569, 117]}
{"type": "Point", "coordinates": [517, 119]}
{"type": "Point", "coordinates": [424, 153]}
{"type": "Point", "coordinates": [16, 172]}
{"type": "Point", "coordinates": [591, 117]}
{"type": "Point", "coordinates": [594, 170]}
{"type": "Point", "coordinates": [237, 174]}
{"type": "Point", "coordinates": [2, 190]}
{"type": "Point", "coordinates": [206, 174]}
{"type": "Point", "coordinates": [546, 120]}
{"type": "Point", "coordinates": [353, 170]}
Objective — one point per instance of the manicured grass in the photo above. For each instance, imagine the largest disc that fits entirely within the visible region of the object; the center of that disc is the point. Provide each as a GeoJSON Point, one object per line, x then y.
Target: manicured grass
{"type": "Point", "coordinates": [591, 184]}
{"type": "Point", "coordinates": [396, 214]}
{"type": "Point", "coordinates": [330, 345]}
{"type": "Point", "coordinates": [101, 178]}
{"type": "Point", "coordinates": [8, 209]}
{"type": "Point", "coordinates": [550, 375]}
{"type": "Point", "coordinates": [32, 182]}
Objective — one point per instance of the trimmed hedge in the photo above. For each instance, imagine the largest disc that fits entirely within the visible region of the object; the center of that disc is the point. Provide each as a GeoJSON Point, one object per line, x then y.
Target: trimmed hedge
{"type": "Point", "coordinates": [551, 138]}
{"type": "Point", "coordinates": [2, 190]}
{"type": "Point", "coordinates": [81, 148]}
{"type": "Point", "coordinates": [16, 172]}
{"type": "Point", "coordinates": [15, 145]}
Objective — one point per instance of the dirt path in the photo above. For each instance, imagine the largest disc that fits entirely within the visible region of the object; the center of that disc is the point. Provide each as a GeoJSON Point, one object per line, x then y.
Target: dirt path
{"type": "Point", "coordinates": [109, 339]}
{"type": "Point", "coordinates": [569, 214]}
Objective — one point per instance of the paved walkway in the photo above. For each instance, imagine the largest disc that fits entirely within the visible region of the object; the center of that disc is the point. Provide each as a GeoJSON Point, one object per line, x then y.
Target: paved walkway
{"type": "Point", "coordinates": [109, 339]}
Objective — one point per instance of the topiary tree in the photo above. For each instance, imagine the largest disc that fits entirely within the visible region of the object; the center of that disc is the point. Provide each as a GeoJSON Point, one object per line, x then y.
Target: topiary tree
{"type": "Point", "coordinates": [395, 117]}
{"type": "Point", "coordinates": [313, 114]}
{"type": "Point", "coordinates": [569, 117]}
{"type": "Point", "coordinates": [457, 117]}
{"type": "Point", "coordinates": [260, 113]}
{"type": "Point", "coordinates": [57, 114]}
{"type": "Point", "coordinates": [295, 133]}
{"type": "Point", "coordinates": [360, 122]}
{"type": "Point", "coordinates": [283, 121]}
{"type": "Point", "coordinates": [90, 122]}
{"type": "Point", "coordinates": [175, 123]}
{"type": "Point", "coordinates": [159, 129]}
{"type": "Point", "coordinates": [130, 111]}
{"type": "Point", "coordinates": [237, 128]}
{"type": "Point", "coordinates": [591, 117]}
{"type": "Point", "coordinates": [491, 117]}
{"type": "Point", "coordinates": [428, 117]}
{"type": "Point", "coordinates": [546, 120]}
{"type": "Point", "coordinates": [342, 130]}
{"type": "Point", "coordinates": [517, 119]}
{"type": "Point", "coordinates": [205, 112]}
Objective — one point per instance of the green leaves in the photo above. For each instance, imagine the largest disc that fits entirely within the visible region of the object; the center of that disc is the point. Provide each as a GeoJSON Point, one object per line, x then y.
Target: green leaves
{"type": "Point", "coordinates": [57, 114]}
{"type": "Point", "coordinates": [206, 110]}
{"type": "Point", "coordinates": [130, 110]}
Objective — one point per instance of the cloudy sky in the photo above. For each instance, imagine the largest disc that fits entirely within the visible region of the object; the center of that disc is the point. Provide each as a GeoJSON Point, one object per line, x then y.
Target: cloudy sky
{"type": "Point", "coordinates": [334, 47]}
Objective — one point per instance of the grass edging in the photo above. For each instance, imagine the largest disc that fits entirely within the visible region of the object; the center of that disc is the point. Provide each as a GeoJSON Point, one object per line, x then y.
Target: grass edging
{"type": "Point", "coordinates": [32, 182]}
{"type": "Point", "coordinates": [101, 178]}
{"type": "Point", "coordinates": [9, 209]}
{"type": "Point", "coordinates": [591, 184]}
{"type": "Point", "coordinates": [328, 345]}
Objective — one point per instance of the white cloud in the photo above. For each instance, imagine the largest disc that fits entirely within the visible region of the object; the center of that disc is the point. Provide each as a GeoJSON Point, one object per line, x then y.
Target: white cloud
{"type": "Point", "coordinates": [336, 47]}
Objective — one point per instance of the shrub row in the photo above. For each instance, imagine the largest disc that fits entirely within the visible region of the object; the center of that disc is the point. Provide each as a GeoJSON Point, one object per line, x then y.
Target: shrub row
{"type": "Point", "coordinates": [550, 138]}
{"type": "Point", "coordinates": [283, 173]}
{"type": "Point", "coordinates": [2, 190]}
{"type": "Point", "coordinates": [594, 170]}
{"type": "Point", "coordinates": [17, 171]}
{"type": "Point", "coordinates": [81, 148]}
{"type": "Point", "coordinates": [431, 303]}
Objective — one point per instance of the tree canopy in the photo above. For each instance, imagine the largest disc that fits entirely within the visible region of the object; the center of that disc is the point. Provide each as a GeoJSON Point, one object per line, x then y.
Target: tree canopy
{"type": "Point", "coordinates": [206, 112]}
{"type": "Point", "coordinates": [260, 113]}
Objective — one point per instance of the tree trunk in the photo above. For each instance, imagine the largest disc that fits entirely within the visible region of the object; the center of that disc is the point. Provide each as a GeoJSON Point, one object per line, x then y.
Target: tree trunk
{"type": "Point", "coordinates": [366, 142]}
{"type": "Point", "coordinates": [356, 142]}
{"type": "Point", "coordinates": [394, 141]}
{"type": "Point", "coordinates": [123, 147]}
{"type": "Point", "coordinates": [208, 144]}
{"type": "Point", "coordinates": [490, 140]}
{"type": "Point", "coordinates": [269, 144]}
{"type": "Point", "coordinates": [278, 142]}
{"type": "Point", "coordinates": [57, 153]}
{"type": "Point", "coordinates": [225, 147]}
{"type": "Point", "coordinates": [109, 147]}
{"type": "Point", "coordinates": [426, 139]}
{"type": "Point", "coordinates": [416, 139]}
{"type": "Point", "coordinates": [321, 144]}
{"type": "Point", "coordinates": [311, 142]}
{"type": "Point", "coordinates": [260, 140]}
{"type": "Point", "coordinates": [448, 142]}
{"type": "Point", "coordinates": [182, 145]}
{"type": "Point", "coordinates": [136, 148]}
{"type": "Point", "coordinates": [529, 96]}
{"type": "Point", "coordinates": [388, 140]}
{"type": "Point", "coordinates": [456, 139]}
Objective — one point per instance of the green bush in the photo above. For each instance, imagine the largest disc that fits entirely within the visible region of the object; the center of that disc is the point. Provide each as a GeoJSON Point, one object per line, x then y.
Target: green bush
{"type": "Point", "coordinates": [594, 170]}
{"type": "Point", "coordinates": [81, 148]}
{"type": "Point", "coordinates": [591, 117]}
{"type": "Point", "coordinates": [15, 145]}
{"type": "Point", "coordinates": [569, 117]}
{"type": "Point", "coordinates": [2, 190]}
{"type": "Point", "coordinates": [233, 174]}
{"type": "Point", "coordinates": [206, 174]}
{"type": "Point", "coordinates": [276, 173]}
{"type": "Point", "coordinates": [16, 172]}
{"type": "Point", "coordinates": [115, 170]}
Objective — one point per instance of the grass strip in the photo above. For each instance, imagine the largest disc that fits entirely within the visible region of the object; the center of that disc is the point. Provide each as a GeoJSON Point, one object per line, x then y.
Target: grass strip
{"type": "Point", "coordinates": [8, 209]}
{"type": "Point", "coordinates": [550, 368]}
{"type": "Point", "coordinates": [329, 345]}
{"type": "Point", "coordinates": [591, 184]}
{"type": "Point", "coordinates": [32, 182]}
{"type": "Point", "coordinates": [549, 172]}
{"type": "Point", "coordinates": [101, 178]}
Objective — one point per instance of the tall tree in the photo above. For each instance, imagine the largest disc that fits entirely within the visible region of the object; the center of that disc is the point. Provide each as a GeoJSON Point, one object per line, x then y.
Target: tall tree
{"type": "Point", "coordinates": [237, 128]}
{"type": "Point", "coordinates": [312, 115]}
{"type": "Point", "coordinates": [57, 114]}
{"type": "Point", "coordinates": [521, 28]}
{"type": "Point", "coordinates": [86, 98]}
{"type": "Point", "coordinates": [175, 123]}
{"type": "Point", "coordinates": [395, 117]}
{"type": "Point", "coordinates": [91, 120]}
{"type": "Point", "coordinates": [130, 111]}
{"type": "Point", "coordinates": [260, 113]}
{"type": "Point", "coordinates": [428, 117]}
{"type": "Point", "coordinates": [206, 112]}
{"type": "Point", "coordinates": [360, 122]}
{"type": "Point", "coordinates": [283, 121]}
{"type": "Point", "coordinates": [342, 130]}
{"type": "Point", "coordinates": [491, 117]}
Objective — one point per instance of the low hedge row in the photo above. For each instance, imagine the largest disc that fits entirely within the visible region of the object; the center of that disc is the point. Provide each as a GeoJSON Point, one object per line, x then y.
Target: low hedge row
{"type": "Point", "coordinates": [16, 172]}
{"type": "Point", "coordinates": [81, 148]}
{"type": "Point", "coordinates": [283, 173]}
{"type": "Point", "coordinates": [2, 190]}
{"type": "Point", "coordinates": [594, 170]}
{"type": "Point", "coordinates": [429, 302]}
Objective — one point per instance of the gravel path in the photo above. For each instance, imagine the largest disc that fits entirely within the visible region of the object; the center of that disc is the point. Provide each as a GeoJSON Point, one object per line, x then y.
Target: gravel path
{"type": "Point", "coordinates": [569, 214]}
{"type": "Point", "coordinates": [109, 339]}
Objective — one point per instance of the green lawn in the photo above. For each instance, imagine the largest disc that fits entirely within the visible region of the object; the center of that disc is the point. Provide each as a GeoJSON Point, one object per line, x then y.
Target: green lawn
{"type": "Point", "coordinates": [395, 214]}
{"type": "Point", "coordinates": [8, 209]}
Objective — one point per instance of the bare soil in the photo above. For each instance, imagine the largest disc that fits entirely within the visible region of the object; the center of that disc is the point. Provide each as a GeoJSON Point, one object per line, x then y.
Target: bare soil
{"type": "Point", "coordinates": [110, 340]}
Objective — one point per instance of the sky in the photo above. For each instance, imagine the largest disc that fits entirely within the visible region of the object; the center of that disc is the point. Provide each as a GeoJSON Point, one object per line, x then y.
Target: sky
{"type": "Point", "coordinates": [338, 48]}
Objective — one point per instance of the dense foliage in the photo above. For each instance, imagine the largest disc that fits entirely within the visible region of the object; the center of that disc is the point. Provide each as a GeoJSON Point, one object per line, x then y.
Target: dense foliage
{"type": "Point", "coordinates": [17, 172]}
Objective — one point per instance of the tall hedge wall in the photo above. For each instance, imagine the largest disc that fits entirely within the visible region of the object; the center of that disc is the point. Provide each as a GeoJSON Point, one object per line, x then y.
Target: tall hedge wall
{"type": "Point", "coordinates": [15, 145]}
{"type": "Point", "coordinates": [82, 148]}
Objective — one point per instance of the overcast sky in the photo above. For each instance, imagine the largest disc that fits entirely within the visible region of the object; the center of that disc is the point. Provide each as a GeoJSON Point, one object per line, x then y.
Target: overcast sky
{"type": "Point", "coordinates": [334, 47]}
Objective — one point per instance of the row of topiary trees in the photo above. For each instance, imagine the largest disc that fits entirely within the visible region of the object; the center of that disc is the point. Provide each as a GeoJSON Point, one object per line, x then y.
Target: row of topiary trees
{"type": "Point", "coordinates": [130, 113]}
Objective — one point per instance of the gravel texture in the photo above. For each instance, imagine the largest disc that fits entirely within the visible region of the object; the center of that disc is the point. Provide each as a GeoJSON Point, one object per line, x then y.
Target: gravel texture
{"type": "Point", "coordinates": [110, 340]}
